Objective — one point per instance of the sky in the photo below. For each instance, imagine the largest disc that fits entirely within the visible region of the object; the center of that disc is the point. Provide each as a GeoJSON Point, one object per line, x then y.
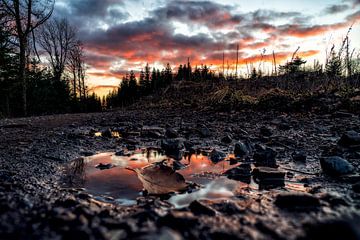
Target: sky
{"type": "Point", "coordinates": [120, 35]}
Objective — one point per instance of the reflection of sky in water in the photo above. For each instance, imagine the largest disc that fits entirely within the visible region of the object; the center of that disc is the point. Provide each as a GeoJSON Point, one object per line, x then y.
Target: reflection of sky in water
{"type": "Point", "coordinates": [124, 186]}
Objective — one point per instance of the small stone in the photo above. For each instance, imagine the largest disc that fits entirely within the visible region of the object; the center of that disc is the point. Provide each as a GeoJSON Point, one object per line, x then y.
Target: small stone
{"type": "Point", "coordinates": [297, 201]}
{"type": "Point", "coordinates": [266, 131]}
{"type": "Point", "coordinates": [199, 208]}
{"type": "Point", "coordinates": [217, 156]}
{"type": "Point", "coordinates": [107, 133]}
{"type": "Point", "coordinates": [241, 173]}
{"type": "Point", "coordinates": [269, 177]}
{"type": "Point", "coordinates": [299, 156]}
{"type": "Point", "coordinates": [172, 145]}
{"type": "Point", "coordinates": [103, 166]}
{"type": "Point", "coordinates": [265, 156]}
{"type": "Point", "coordinates": [241, 149]}
{"type": "Point", "coordinates": [336, 166]}
{"type": "Point", "coordinates": [356, 187]}
{"type": "Point", "coordinates": [227, 139]}
{"type": "Point", "coordinates": [350, 138]}
{"type": "Point", "coordinates": [86, 153]}
{"type": "Point", "coordinates": [171, 133]}
{"type": "Point", "coordinates": [120, 153]}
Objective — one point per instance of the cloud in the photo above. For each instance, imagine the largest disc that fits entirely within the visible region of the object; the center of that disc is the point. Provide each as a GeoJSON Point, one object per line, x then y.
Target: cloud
{"type": "Point", "coordinates": [334, 9]}
{"type": "Point", "coordinates": [114, 44]}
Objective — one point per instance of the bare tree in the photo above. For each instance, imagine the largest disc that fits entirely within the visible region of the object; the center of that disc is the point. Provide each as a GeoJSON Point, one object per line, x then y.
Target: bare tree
{"type": "Point", "coordinates": [57, 38]}
{"type": "Point", "coordinates": [26, 16]}
{"type": "Point", "coordinates": [76, 66]}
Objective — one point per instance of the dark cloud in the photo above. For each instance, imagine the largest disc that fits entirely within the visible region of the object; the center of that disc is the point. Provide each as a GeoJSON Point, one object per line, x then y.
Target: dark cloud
{"type": "Point", "coordinates": [154, 39]}
{"type": "Point", "coordinates": [202, 12]}
{"type": "Point", "coordinates": [333, 9]}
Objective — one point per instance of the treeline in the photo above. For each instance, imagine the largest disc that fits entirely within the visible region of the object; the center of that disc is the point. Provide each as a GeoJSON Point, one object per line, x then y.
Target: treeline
{"type": "Point", "coordinates": [150, 81]}
{"type": "Point", "coordinates": [29, 84]}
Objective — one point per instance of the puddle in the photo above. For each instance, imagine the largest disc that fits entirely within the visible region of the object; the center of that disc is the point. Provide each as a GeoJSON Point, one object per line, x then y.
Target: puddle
{"type": "Point", "coordinates": [122, 186]}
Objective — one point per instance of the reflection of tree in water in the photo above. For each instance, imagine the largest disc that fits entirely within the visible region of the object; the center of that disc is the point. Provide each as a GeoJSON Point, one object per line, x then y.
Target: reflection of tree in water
{"type": "Point", "coordinates": [75, 172]}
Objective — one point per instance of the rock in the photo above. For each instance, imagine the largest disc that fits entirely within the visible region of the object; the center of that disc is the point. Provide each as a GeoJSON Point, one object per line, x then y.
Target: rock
{"type": "Point", "coordinates": [266, 131]}
{"type": "Point", "coordinates": [217, 156]}
{"type": "Point", "coordinates": [103, 166]}
{"type": "Point", "coordinates": [297, 201]}
{"type": "Point", "coordinates": [241, 149]}
{"type": "Point", "coordinates": [356, 187]}
{"type": "Point", "coordinates": [204, 131]}
{"type": "Point", "coordinates": [299, 156]}
{"type": "Point", "coordinates": [87, 153]}
{"type": "Point", "coordinates": [152, 132]}
{"type": "Point", "coordinates": [241, 173]}
{"type": "Point", "coordinates": [350, 138]}
{"type": "Point", "coordinates": [198, 208]}
{"type": "Point", "coordinates": [173, 148]}
{"type": "Point", "coordinates": [107, 133]}
{"type": "Point", "coordinates": [229, 207]}
{"type": "Point", "coordinates": [120, 153]}
{"type": "Point", "coordinates": [227, 139]}
{"type": "Point", "coordinates": [171, 133]}
{"type": "Point", "coordinates": [264, 156]}
{"type": "Point", "coordinates": [336, 166]}
{"type": "Point", "coordinates": [269, 177]}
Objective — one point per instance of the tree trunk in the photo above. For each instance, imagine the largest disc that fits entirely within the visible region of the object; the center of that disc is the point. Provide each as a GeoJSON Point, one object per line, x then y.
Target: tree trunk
{"type": "Point", "coordinates": [22, 77]}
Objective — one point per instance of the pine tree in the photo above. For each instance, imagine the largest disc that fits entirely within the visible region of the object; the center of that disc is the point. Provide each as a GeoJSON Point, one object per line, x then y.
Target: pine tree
{"type": "Point", "coordinates": [333, 67]}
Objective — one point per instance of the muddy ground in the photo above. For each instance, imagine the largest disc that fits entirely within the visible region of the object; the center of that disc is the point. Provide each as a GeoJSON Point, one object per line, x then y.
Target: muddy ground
{"type": "Point", "coordinates": [35, 203]}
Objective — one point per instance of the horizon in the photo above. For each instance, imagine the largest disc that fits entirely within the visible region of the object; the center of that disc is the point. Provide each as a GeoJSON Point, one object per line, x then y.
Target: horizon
{"type": "Point", "coordinates": [120, 36]}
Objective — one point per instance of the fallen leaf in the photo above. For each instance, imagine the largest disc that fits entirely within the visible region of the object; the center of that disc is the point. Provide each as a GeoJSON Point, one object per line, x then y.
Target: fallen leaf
{"type": "Point", "coordinates": [160, 179]}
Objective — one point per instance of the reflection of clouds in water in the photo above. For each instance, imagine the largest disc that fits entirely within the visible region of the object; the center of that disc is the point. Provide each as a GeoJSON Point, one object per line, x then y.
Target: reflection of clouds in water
{"type": "Point", "coordinates": [216, 189]}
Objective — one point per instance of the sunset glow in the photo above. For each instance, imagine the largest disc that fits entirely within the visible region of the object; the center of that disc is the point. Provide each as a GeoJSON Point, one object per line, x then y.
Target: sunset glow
{"type": "Point", "coordinates": [125, 35]}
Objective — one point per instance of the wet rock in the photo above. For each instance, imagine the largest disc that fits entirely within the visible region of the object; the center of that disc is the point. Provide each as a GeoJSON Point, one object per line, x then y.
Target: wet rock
{"type": "Point", "coordinates": [350, 138]}
{"type": "Point", "coordinates": [356, 187]}
{"type": "Point", "coordinates": [336, 166]}
{"type": "Point", "coordinates": [87, 153]}
{"type": "Point", "coordinates": [173, 148]}
{"type": "Point", "coordinates": [241, 173]}
{"type": "Point", "coordinates": [229, 208]}
{"type": "Point", "coordinates": [233, 161]}
{"type": "Point", "coordinates": [178, 165]}
{"type": "Point", "coordinates": [171, 133]}
{"type": "Point", "coordinates": [227, 139]}
{"type": "Point", "coordinates": [269, 177]}
{"type": "Point", "coordinates": [264, 156]}
{"type": "Point", "coordinates": [241, 149]}
{"type": "Point", "coordinates": [266, 131]}
{"type": "Point", "coordinates": [299, 156]}
{"type": "Point", "coordinates": [120, 153]}
{"type": "Point", "coordinates": [198, 208]}
{"type": "Point", "coordinates": [103, 166]}
{"type": "Point", "coordinates": [107, 133]}
{"type": "Point", "coordinates": [217, 156]}
{"type": "Point", "coordinates": [297, 201]}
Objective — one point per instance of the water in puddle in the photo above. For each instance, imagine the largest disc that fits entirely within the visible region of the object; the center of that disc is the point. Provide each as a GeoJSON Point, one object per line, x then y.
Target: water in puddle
{"type": "Point", "coordinates": [122, 186]}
